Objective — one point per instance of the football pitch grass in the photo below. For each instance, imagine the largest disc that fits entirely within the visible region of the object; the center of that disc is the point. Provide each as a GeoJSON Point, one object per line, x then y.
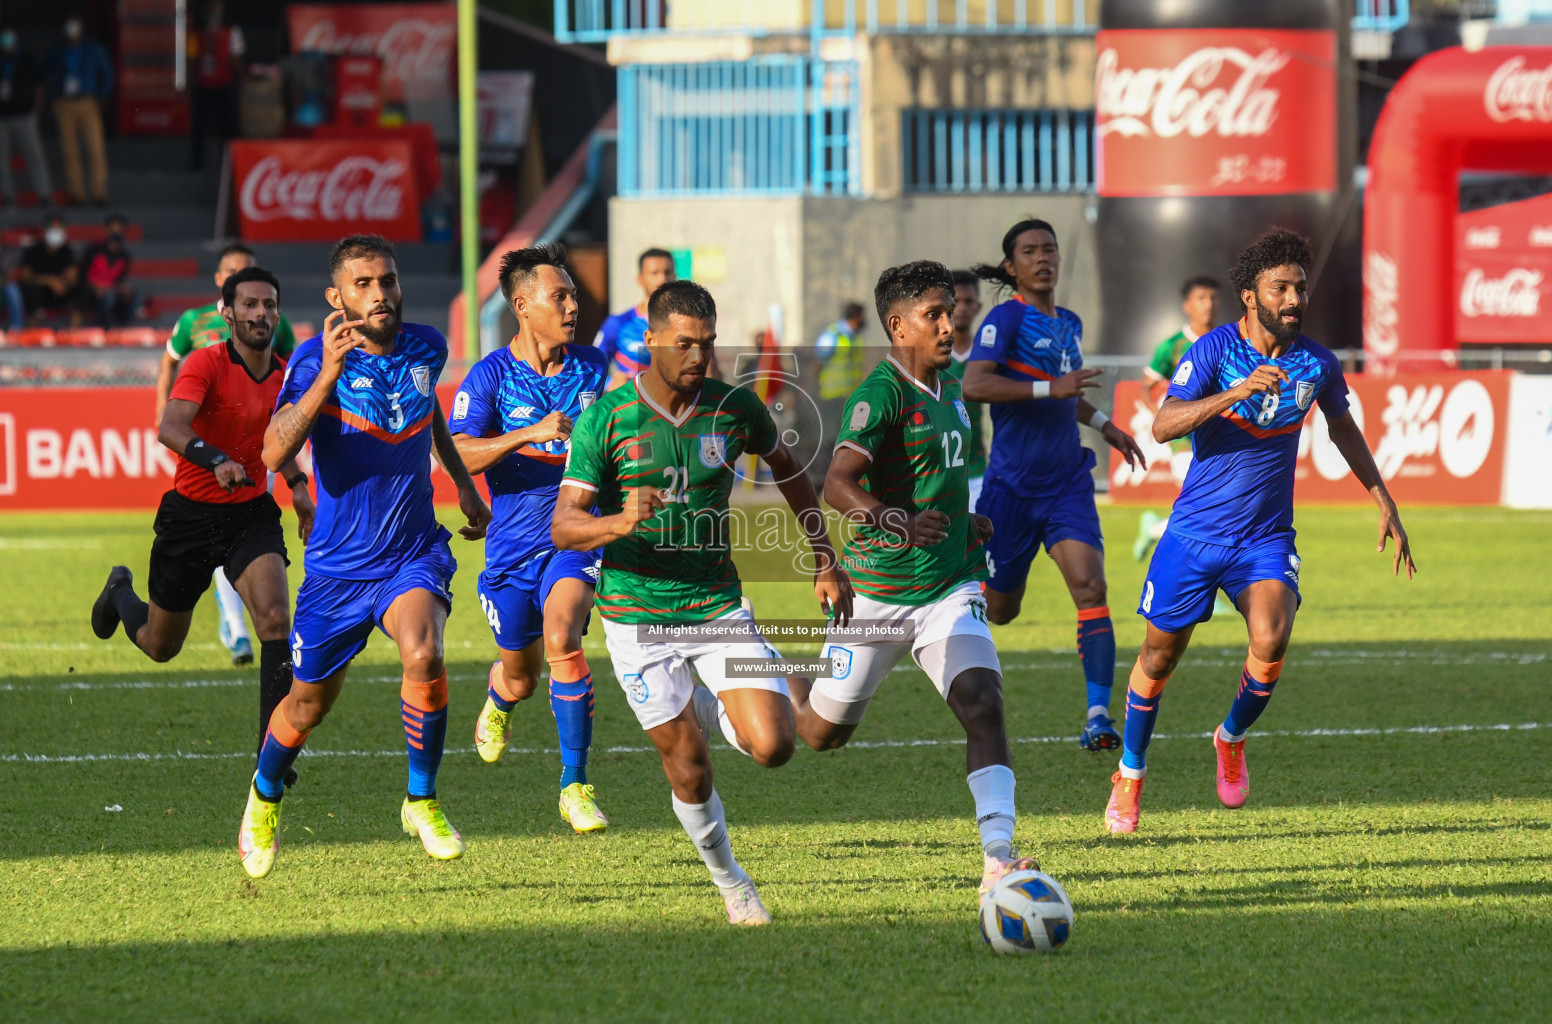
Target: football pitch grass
{"type": "Point", "coordinates": [1394, 861]}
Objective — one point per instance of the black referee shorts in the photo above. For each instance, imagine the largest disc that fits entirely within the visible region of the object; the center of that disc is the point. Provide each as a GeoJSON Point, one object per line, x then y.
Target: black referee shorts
{"type": "Point", "coordinates": [194, 538]}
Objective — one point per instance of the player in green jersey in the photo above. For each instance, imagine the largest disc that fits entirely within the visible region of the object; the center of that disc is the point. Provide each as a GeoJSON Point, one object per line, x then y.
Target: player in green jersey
{"type": "Point", "coordinates": [655, 458]}
{"type": "Point", "coordinates": [197, 328]}
{"type": "Point", "coordinates": [900, 476]}
{"type": "Point", "coordinates": [1199, 302]}
{"type": "Point", "coordinates": [967, 306]}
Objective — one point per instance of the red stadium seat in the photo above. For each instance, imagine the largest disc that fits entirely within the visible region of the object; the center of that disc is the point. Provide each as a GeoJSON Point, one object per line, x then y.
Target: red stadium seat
{"type": "Point", "coordinates": [82, 337]}
{"type": "Point", "coordinates": [134, 337]}
{"type": "Point", "coordinates": [33, 337]}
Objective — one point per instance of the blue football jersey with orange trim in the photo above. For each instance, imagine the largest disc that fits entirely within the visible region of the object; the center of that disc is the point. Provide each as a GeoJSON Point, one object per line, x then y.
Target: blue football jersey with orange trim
{"type": "Point", "coordinates": [372, 455]}
{"type": "Point", "coordinates": [1240, 484]}
{"type": "Point", "coordinates": [1035, 447]}
{"type": "Point", "coordinates": [623, 340]}
{"type": "Point", "coordinates": [502, 393]}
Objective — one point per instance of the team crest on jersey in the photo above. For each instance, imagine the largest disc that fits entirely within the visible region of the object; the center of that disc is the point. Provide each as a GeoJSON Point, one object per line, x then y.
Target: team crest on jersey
{"type": "Point", "coordinates": [964, 414]}
{"type": "Point", "coordinates": [859, 415]}
{"type": "Point", "coordinates": [587, 398]}
{"type": "Point", "coordinates": [840, 662]}
{"type": "Point", "coordinates": [713, 450]}
{"type": "Point", "coordinates": [988, 335]}
{"type": "Point", "coordinates": [421, 375]}
{"type": "Point", "coordinates": [1303, 392]}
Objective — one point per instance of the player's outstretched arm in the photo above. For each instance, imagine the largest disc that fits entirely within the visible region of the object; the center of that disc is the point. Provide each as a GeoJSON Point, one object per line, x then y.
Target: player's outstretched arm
{"type": "Point", "coordinates": [177, 432]}
{"type": "Point", "coordinates": [844, 491]}
{"type": "Point", "coordinates": [166, 370]}
{"type": "Point", "coordinates": [301, 499]}
{"type": "Point", "coordinates": [1177, 417]}
{"type": "Point", "coordinates": [292, 422]}
{"type": "Point", "coordinates": [470, 502]}
{"type": "Point", "coordinates": [1114, 436]}
{"type": "Point", "coordinates": [830, 584]}
{"type": "Point", "coordinates": [575, 528]}
{"type": "Point", "coordinates": [1349, 440]}
{"type": "Point", "coordinates": [983, 383]}
{"type": "Point", "coordinates": [481, 453]}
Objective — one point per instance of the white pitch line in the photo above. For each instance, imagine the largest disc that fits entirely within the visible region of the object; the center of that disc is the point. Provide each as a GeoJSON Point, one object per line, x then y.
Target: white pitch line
{"type": "Point", "coordinates": [1396, 730]}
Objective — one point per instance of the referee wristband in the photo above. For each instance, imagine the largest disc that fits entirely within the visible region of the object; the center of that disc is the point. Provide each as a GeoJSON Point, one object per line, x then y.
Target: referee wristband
{"type": "Point", "coordinates": [203, 455]}
{"type": "Point", "coordinates": [1098, 420]}
{"type": "Point", "coordinates": [300, 480]}
{"type": "Point", "coordinates": [1041, 388]}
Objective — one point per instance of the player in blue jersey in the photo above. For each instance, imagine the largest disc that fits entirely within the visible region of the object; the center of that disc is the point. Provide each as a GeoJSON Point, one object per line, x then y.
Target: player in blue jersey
{"type": "Point", "coordinates": [1027, 364]}
{"type": "Point", "coordinates": [364, 391]}
{"type": "Point", "coordinates": [511, 421]}
{"type": "Point", "coordinates": [623, 336]}
{"type": "Point", "coordinates": [1242, 392]}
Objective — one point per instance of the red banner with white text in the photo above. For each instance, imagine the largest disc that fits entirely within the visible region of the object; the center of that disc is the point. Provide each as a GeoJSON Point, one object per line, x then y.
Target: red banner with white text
{"type": "Point", "coordinates": [321, 190]}
{"type": "Point", "coordinates": [416, 42]}
{"type": "Point", "coordinates": [1436, 438]}
{"type": "Point", "coordinates": [1503, 268]}
{"type": "Point", "coordinates": [96, 448]}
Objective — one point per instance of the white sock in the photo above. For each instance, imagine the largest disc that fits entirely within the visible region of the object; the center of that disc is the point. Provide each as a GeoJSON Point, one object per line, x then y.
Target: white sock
{"type": "Point", "coordinates": [992, 788]}
{"type": "Point", "coordinates": [1132, 773]}
{"type": "Point", "coordinates": [230, 604]}
{"type": "Point", "coordinates": [1224, 735]}
{"type": "Point", "coordinates": [706, 825]}
{"type": "Point", "coordinates": [712, 716]}
{"type": "Point", "coordinates": [1096, 710]}
{"type": "Point", "coordinates": [1156, 531]}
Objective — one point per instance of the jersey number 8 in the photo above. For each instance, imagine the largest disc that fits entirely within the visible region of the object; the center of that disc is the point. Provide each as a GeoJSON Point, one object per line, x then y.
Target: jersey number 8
{"type": "Point", "coordinates": [1269, 404]}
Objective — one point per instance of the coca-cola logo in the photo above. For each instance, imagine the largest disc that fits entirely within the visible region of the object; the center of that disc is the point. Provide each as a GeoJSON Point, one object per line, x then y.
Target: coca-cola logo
{"type": "Point", "coordinates": [358, 188]}
{"type": "Point", "coordinates": [1381, 292]}
{"type": "Point", "coordinates": [1483, 238]}
{"type": "Point", "coordinates": [411, 48]}
{"type": "Point", "coordinates": [1515, 93]}
{"type": "Point", "coordinates": [1216, 89]}
{"type": "Point", "coordinates": [1541, 236]}
{"type": "Point", "coordinates": [1516, 294]}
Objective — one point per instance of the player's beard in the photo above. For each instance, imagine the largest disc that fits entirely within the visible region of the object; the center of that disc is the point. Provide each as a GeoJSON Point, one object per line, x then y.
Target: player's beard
{"type": "Point", "coordinates": [255, 334]}
{"type": "Point", "coordinates": [377, 335]}
{"type": "Point", "coordinates": [1272, 320]}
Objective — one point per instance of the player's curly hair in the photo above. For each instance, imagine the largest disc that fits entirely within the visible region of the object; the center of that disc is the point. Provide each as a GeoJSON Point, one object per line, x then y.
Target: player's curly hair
{"type": "Point", "coordinates": [998, 274]}
{"type": "Point", "coordinates": [907, 282]}
{"type": "Point", "coordinates": [519, 265]}
{"type": "Point", "coordinates": [357, 247]}
{"type": "Point", "coordinates": [684, 297]}
{"type": "Point", "coordinates": [1278, 247]}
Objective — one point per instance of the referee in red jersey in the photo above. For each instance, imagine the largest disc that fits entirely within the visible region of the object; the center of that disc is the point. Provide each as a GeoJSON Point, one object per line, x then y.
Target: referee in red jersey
{"type": "Point", "coordinates": [219, 513]}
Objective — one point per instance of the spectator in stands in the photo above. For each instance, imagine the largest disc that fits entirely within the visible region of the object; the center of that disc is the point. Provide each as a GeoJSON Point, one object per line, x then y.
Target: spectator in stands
{"type": "Point", "coordinates": [15, 307]}
{"type": "Point", "coordinates": [49, 276]}
{"type": "Point", "coordinates": [80, 77]}
{"type": "Point", "coordinates": [105, 289]}
{"type": "Point", "coordinates": [215, 62]}
{"type": "Point", "coordinates": [21, 94]}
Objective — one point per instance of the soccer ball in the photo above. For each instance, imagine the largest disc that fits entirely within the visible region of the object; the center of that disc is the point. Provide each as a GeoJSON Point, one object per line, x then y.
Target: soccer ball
{"type": "Point", "coordinates": [1026, 912]}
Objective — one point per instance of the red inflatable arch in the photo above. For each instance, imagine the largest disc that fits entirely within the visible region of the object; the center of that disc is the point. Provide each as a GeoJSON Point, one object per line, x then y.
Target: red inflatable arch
{"type": "Point", "coordinates": [1489, 110]}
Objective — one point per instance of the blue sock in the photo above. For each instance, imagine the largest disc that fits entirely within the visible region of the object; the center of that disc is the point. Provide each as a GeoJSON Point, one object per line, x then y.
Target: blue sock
{"type": "Point", "coordinates": [277, 757]}
{"type": "Point", "coordinates": [1097, 651]}
{"type": "Point", "coordinates": [572, 703]}
{"type": "Point", "coordinates": [1141, 713]}
{"type": "Point", "coordinates": [1256, 683]}
{"type": "Point", "coordinates": [500, 701]}
{"type": "Point", "coordinates": [425, 733]}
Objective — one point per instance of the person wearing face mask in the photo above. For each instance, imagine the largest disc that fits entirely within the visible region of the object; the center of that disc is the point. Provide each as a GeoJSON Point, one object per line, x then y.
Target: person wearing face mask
{"type": "Point", "coordinates": [105, 289]}
{"type": "Point", "coordinates": [79, 76]}
{"type": "Point", "coordinates": [215, 57]}
{"type": "Point", "coordinates": [21, 94]}
{"type": "Point", "coordinates": [49, 276]}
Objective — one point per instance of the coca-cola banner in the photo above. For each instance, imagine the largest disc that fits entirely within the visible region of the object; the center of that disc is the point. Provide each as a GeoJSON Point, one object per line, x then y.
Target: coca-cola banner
{"type": "Point", "coordinates": [416, 42]}
{"type": "Point", "coordinates": [1437, 439]}
{"type": "Point", "coordinates": [1503, 272]}
{"type": "Point", "coordinates": [96, 448]}
{"type": "Point", "coordinates": [319, 191]}
{"type": "Point", "coordinates": [1191, 112]}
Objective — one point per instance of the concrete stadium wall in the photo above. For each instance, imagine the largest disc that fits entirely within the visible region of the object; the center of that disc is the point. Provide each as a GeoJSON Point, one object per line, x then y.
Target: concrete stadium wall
{"type": "Point", "coordinates": [810, 255]}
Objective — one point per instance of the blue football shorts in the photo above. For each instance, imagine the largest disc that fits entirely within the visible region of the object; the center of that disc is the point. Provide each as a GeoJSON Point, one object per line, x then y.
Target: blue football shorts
{"type": "Point", "coordinates": [1184, 574]}
{"type": "Point", "coordinates": [335, 617]}
{"type": "Point", "coordinates": [1020, 526]}
{"type": "Point", "coordinates": [513, 600]}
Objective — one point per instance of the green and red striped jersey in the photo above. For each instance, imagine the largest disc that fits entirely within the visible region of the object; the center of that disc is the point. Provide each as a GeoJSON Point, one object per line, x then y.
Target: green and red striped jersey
{"type": "Point", "coordinates": [918, 441]}
{"type": "Point", "coordinates": [676, 566]}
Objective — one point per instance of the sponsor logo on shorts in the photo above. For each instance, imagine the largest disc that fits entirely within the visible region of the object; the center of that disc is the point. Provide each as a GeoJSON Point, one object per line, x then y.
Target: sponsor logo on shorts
{"type": "Point", "coordinates": [964, 414]}
{"type": "Point", "coordinates": [361, 384]}
{"type": "Point", "coordinates": [593, 571]}
{"type": "Point", "coordinates": [988, 335]}
{"type": "Point", "coordinates": [859, 415]}
{"type": "Point", "coordinates": [1182, 373]}
{"type": "Point", "coordinates": [461, 405]}
{"type": "Point", "coordinates": [421, 375]}
{"type": "Point", "coordinates": [840, 662]}
{"type": "Point", "coordinates": [1293, 571]}
{"type": "Point", "coordinates": [713, 450]}
{"type": "Point", "coordinates": [636, 687]}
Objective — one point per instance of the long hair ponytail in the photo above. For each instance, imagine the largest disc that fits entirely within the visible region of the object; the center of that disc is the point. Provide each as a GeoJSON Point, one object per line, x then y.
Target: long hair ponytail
{"type": "Point", "coordinates": [997, 273]}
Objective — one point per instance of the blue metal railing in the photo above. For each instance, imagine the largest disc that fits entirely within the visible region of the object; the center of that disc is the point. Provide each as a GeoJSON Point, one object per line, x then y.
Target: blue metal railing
{"type": "Point", "coordinates": [777, 125]}
{"type": "Point", "coordinates": [997, 150]}
{"type": "Point", "coordinates": [595, 21]}
{"type": "Point", "coordinates": [1381, 15]}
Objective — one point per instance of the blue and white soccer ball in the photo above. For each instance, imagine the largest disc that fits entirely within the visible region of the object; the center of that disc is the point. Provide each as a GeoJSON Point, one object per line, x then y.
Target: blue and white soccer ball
{"type": "Point", "coordinates": [1026, 912]}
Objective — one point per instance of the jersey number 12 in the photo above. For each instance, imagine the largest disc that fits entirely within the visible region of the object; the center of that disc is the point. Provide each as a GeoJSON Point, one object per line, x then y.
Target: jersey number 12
{"type": "Point", "coordinates": [954, 441]}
